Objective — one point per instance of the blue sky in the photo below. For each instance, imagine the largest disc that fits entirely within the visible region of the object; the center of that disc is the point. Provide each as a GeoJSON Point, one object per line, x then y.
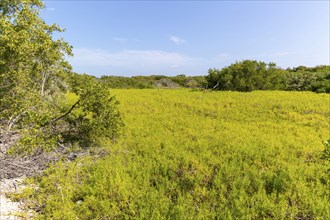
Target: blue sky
{"type": "Point", "coordinates": [188, 37]}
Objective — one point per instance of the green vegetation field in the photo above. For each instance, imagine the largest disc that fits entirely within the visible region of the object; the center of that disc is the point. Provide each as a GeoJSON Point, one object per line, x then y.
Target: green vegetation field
{"type": "Point", "coordinates": [201, 155]}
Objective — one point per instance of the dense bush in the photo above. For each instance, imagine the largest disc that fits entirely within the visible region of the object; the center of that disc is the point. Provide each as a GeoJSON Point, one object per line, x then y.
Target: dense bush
{"type": "Point", "coordinates": [316, 79]}
{"type": "Point", "coordinates": [249, 75]}
{"type": "Point", "coordinates": [96, 115]}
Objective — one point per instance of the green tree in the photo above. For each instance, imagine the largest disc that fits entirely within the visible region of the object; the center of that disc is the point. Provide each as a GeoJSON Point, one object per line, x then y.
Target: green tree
{"type": "Point", "coordinates": [316, 79]}
{"type": "Point", "coordinates": [96, 115]}
{"type": "Point", "coordinates": [32, 64]}
{"type": "Point", "coordinates": [32, 71]}
{"type": "Point", "coordinates": [247, 75]}
{"type": "Point", "coordinates": [35, 80]}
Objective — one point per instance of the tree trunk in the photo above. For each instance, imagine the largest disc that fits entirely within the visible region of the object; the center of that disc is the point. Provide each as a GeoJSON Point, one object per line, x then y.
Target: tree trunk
{"type": "Point", "coordinates": [44, 77]}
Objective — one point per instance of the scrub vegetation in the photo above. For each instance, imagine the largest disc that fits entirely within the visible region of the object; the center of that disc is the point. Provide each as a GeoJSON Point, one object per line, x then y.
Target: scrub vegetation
{"type": "Point", "coordinates": [245, 76]}
{"type": "Point", "coordinates": [195, 155]}
{"type": "Point", "coordinates": [101, 152]}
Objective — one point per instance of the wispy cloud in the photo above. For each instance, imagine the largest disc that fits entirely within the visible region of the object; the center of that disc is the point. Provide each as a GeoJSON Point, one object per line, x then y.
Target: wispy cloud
{"type": "Point", "coordinates": [143, 62]}
{"type": "Point", "coordinates": [138, 58]}
{"type": "Point", "coordinates": [120, 39]}
{"type": "Point", "coordinates": [177, 40]}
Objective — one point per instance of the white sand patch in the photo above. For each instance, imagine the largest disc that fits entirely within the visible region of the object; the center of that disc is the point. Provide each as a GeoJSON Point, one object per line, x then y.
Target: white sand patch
{"type": "Point", "coordinates": [10, 210]}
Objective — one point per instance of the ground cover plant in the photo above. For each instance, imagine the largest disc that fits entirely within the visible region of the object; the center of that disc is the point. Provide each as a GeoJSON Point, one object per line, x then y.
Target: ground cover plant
{"type": "Point", "coordinates": [200, 155]}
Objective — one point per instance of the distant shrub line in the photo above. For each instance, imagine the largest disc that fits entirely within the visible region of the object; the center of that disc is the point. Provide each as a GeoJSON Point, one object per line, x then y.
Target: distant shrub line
{"type": "Point", "coordinates": [244, 76]}
{"type": "Point", "coordinates": [154, 81]}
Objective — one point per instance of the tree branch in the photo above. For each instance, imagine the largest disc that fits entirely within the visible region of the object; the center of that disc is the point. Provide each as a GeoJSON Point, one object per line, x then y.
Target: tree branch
{"type": "Point", "coordinates": [12, 121]}
{"type": "Point", "coordinates": [44, 77]}
{"type": "Point", "coordinates": [216, 86]}
{"type": "Point", "coordinates": [62, 116]}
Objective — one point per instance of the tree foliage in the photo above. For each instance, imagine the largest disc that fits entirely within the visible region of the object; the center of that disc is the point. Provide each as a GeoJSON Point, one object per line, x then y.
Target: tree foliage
{"type": "Point", "coordinates": [32, 64]}
{"type": "Point", "coordinates": [35, 83]}
{"type": "Point", "coordinates": [97, 114]}
{"type": "Point", "coordinates": [316, 79]}
{"type": "Point", "coordinates": [247, 75]}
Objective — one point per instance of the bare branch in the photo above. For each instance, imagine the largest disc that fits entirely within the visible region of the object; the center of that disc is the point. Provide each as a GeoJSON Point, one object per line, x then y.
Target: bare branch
{"type": "Point", "coordinates": [22, 167]}
{"type": "Point", "coordinates": [62, 116]}
{"type": "Point", "coordinates": [12, 121]}
{"type": "Point", "coordinates": [216, 86]}
{"type": "Point", "coordinates": [44, 77]}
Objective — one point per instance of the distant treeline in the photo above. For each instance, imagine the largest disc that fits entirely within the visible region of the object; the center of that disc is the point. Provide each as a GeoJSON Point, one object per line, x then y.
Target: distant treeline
{"type": "Point", "coordinates": [244, 76]}
{"type": "Point", "coordinates": [155, 81]}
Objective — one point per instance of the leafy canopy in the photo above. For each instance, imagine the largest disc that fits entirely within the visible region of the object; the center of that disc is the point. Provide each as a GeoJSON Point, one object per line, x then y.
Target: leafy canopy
{"type": "Point", "coordinates": [35, 80]}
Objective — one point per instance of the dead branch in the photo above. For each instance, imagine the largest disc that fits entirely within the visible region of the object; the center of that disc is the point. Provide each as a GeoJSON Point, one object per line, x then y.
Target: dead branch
{"type": "Point", "coordinates": [12, 121]}
{"type": "Point", "coordinates": [216, 86]}
{"type": "Point", "coordinates": [62, 116]}
{"type": "Point", "coordinates": [16, 165]}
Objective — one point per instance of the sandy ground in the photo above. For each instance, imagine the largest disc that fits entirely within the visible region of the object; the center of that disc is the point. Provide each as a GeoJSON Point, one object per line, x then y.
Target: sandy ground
{"type": "Point", "coordinates": [10, 210]}
{"type": "Point", "coordinates": [13, 170]}
{"type": "Point", "coordinates": [12, 173]}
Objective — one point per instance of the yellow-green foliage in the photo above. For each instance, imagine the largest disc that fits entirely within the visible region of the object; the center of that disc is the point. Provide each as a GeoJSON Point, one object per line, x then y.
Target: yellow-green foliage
{"type": "Point", "coordinates": [202, 155]}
